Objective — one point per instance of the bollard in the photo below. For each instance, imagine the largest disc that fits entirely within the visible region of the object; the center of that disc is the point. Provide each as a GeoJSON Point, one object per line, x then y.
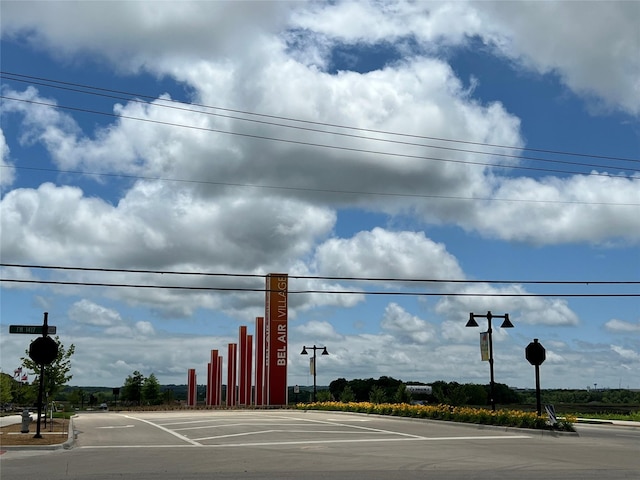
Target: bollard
{"type": "Point", "coordinates": [26, 420]}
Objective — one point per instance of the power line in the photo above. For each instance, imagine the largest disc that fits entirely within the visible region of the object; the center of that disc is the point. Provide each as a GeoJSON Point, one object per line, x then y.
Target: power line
{"type": "Point", "coordinates": [310, 144]}
{"type": "Point", "coordinates": [333, 292]}
{"type": "Point", "coordinates": [318, 190]}
{"type": "Point", "coordinates": [28, 78]}
{"type": "Point", "coordinates": [190, 109]}
{"type": "Point", "coordinates": [319, 277]}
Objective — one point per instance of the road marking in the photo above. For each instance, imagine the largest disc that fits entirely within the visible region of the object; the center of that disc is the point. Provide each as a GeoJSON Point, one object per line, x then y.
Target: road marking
{"type": "Point", "coordinates": [175, 434]}
{"type": "Point", "coordinates": [348, 420]}
{"type": "Point", "coordinates": [118, 426]}
{"type": "Point", "coordinates": [309, 442]}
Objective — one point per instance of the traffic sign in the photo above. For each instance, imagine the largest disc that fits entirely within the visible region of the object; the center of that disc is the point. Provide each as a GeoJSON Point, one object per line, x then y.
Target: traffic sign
{"type": "Point", "coordinates": [32, 329]}
{"type": "Point", "coordinates": [535, 353]}
{"type": "Point", "coordinates": [43, 350]}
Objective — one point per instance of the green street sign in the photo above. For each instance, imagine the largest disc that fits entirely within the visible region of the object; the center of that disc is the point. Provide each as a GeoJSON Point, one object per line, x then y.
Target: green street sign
{"type": "Point", "coordinates": [32, 329]}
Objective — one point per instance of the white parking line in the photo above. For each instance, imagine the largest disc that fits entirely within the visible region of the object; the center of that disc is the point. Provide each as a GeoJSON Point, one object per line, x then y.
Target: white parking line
{"type": "Point", "coordinates": [175, 434]}
{"type": "Point", "coordinates": [308, 442]}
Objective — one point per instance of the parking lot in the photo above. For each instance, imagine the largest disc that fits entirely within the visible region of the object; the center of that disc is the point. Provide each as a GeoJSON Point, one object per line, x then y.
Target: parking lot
{"type": "Point", "coordinates": [284, 444]}
{"type": "Point", "coordinates": [271, 428]}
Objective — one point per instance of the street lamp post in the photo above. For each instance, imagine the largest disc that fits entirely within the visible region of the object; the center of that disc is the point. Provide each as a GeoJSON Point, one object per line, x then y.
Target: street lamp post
{"type": "Point", "coordinates": [506, 324]}
{"type": "Point", "coordinates": [324, 352]}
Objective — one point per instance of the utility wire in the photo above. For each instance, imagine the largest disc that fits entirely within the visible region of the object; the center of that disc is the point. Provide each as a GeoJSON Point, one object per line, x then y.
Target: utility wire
{"type": "Point", "coordinates": [308, 144]}
{"type": "Point", "coordinates": [189, 108]}
{"type": "Point", "coordinates": [333, 292]}
{"type": "Point", "coordinates": [32, 79]}
{"type": "Point", "coordinates": [318, 190]}
{"type": "Point", "coordinates": [319, 277]}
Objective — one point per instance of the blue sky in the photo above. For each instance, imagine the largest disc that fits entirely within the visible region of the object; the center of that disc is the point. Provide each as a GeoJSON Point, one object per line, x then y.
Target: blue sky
{"type": "Point", "coordinates": [466, 142]}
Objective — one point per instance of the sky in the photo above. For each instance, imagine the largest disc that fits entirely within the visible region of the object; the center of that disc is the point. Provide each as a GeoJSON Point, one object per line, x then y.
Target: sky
{"type": "Point", "coordinates": [405, 163]}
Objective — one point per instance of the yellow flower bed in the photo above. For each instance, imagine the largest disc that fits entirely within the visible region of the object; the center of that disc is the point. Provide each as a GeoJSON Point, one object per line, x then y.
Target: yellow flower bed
{"type": "Point", "coordinates": [509, 418]}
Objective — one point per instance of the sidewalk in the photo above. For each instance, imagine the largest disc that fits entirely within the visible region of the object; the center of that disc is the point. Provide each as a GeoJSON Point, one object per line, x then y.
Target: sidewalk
{"type": "Point", "coordinates": [597, 421]}
{"type": "Point", "coordinates": [13, 419]}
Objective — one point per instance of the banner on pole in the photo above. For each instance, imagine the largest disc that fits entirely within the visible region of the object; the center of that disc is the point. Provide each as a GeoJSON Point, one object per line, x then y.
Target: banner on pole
{"type": "Point", "coordinates": [484, 346]}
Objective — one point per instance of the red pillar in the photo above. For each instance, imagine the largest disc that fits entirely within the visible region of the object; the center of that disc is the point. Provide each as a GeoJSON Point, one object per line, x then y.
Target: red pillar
{"type": "Point", "coordinates": [249, 354]}
{"type": "Point", "coordinates": [232, 374]}
{"type": "Point", "coordinates": [209, 394]}
{"type": "Point", "coordinates": [259, 360]}
{"type": "Point", "coordinates": [242, 377]}
{"type": "Point", "coordinates": [212, 386]}
{"type": "Point", "coordinates": [219, 380]}
{"type": "Point", "coordinates": [192, 388]}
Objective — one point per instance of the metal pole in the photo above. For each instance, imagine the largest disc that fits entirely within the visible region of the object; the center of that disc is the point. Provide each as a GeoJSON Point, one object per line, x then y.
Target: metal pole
{"type": "Point", "coordinates": [315, 390]}
{"type": "Point", "coordinates": [45, 331]}
{"type": "Point", "coordinates": [491, 389]}
{"type": "Point", "coordinates": [538, 401]}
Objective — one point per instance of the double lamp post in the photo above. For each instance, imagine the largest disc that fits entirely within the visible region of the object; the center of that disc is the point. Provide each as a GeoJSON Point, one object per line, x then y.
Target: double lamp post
{"type": "Point", "coordinates": [313, 364]}
{"type": "Point", "coordinates": [505, 324]}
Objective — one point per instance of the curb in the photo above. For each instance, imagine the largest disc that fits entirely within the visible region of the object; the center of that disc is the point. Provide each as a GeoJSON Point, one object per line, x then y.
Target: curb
{"type": "Point", "coordinates": [58, 446]}
{"type": "Point", "coordinates": [480, 426]}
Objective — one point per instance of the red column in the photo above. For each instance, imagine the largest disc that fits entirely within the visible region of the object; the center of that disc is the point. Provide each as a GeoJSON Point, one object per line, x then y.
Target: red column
{"type": "Point", "coordinates": [259, 361]}
{"type": "Point", "coordinates": [209, 394]}
{"type": "Point", "coordinates": [242, 377]}
{"type": "Point", "coordinates": [249, 354]}
{"type": "Point", "coordinates": [219, 380]}
{"type": "Point", "coordinates": [232, 374]}
{"type": "Point", "coordinates": [213, 380]}
{"type": "Point", "coordinates": [276, 339]}
{"type": "Point", "coordinates": [192, 388]}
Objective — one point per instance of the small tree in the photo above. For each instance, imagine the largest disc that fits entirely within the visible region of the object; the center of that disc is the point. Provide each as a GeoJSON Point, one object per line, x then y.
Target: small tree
{"type": "Point", "coordinates": [347, 395]}
{"type": "Point", "coordinates": [56, 374]}
{"type": "Point", "coordinates": [151, 390]}
{"type": "Point", "coordinates": [377, 395]}
{"type": "Point", "coordinates": [132, 389]}
{"type": "Point", "coordinates": [402, 395]}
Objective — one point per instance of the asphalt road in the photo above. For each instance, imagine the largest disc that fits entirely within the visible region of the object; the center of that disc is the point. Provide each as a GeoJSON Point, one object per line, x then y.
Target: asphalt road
{"type": "Point", "coordinates": [288, 444]}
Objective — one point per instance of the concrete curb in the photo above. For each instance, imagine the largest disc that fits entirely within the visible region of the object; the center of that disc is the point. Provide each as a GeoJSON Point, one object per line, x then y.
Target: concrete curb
{"type": "Point", "coordinates": [58, 446]}
{"type": "Point", "coordinates": [479, 426]}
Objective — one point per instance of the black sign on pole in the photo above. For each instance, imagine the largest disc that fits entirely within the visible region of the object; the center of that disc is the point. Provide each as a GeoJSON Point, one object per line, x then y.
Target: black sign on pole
{"type": "Point", "coordinates": [536, 354]}
{"type": "Point", "coordinates": [43, 352]}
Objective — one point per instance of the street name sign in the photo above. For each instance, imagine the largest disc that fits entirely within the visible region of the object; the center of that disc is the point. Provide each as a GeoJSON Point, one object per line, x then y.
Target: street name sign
{"type": "Point", "coordinates": [32, 329]}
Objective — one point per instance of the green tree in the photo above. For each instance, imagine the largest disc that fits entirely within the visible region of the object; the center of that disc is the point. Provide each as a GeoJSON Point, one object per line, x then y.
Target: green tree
{"type": "Point", "coordinates": [377, 394]}
{"type": "Point", "coordinates": [151, 390]}
{"type": "Point", "coordinates": [6, 395]}
{"type": "Point", "coordinates": [76, 397]}
{"type": "Point", "coordinates": [56, 374]}
{"type": "Point", "coordinates": [132, 389]}
{"type": "Point", "coordinates": [168, 396]}
{"type": "Point", "coordinates": [402, 395]}
{"type": "Point", "coordinates": [347, 395]}
{"type": "Point", "coordinates": [337, 386]}
{"type": "Point", "coordinates": [323, 396]}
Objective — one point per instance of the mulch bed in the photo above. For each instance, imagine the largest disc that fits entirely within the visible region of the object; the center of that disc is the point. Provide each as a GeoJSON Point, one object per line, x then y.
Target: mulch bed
{"type": "Point", "coordinates": [55, 433]}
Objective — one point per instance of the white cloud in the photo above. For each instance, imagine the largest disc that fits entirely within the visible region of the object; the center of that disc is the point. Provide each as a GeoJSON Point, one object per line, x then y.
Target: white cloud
{"type": "Point", "coordinates": [7, 170]}
{"type": "Point", "coordinates": [621, 326]}
{"type": "Point", "coordinates": [592, 46]}
{"type": "Point", "coordinates": [382, 253]}
{"type": "Point", "coordinates": [530, 310]}
{"type": "Point", "coordinates": [626, 353]}
{"type": "Point", "coordinates": [86, 312]}
{"type": "Point", "coordinates": [399, 322]}
{"type": "Point", "coordinates": [581, 209]}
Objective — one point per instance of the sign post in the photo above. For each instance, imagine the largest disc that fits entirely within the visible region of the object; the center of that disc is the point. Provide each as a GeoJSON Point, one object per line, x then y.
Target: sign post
{"type": "Point", "coordinates": [536, 354]}
{"type": "Point", "coordinates": [43, 351]}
